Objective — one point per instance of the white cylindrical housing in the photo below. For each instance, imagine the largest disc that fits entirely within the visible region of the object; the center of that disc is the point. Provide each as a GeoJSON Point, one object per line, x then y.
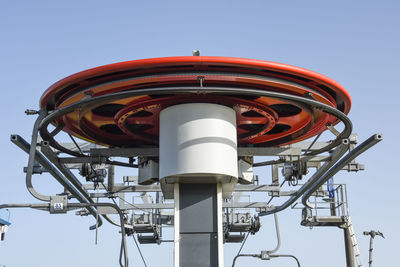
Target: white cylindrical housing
{"type": "Point", "coordinates": [198, 141]}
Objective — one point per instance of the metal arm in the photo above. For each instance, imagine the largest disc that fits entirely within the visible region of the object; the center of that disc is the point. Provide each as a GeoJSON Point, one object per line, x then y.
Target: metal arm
{"type": "Point", "coordinates": [21, 143]}
{"type": "Point", "coordinates": [244, 255]}
{"type": "Point", "coordinates": [31, 151]}
{"type": "Point", "coordinates": [99, 100]}
{"type": "Point", "coordinates": [373, 140]}
{"type": "Point", "coordinates": [82, 205]}
{"type": "Point", "coordinates": [278, 236]}
{"type": "Point", "coordinates": [288, 256]}
{"type": "Point", "coordinates": [337, 154]}
{"type": "Point", "coordinates": [270, 256]}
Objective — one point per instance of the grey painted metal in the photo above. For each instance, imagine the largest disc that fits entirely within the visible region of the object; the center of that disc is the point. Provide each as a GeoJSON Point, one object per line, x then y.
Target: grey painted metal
{"type": "Point", "coordinates": [156, 188]}
{"type": "Point", "coordinates": [48, 152]}
{"type": "Point", "coordinates": [99, 100]}
{"type": "Point", "coordinates": [21, 143]}
{"type": "Point", "coordinates": [278, 236]}
{"type": "Point", "coordinates": [154, 152]}
{"type": "Point", "coordinates": [110, 179]}
{"type": "Point", "coordinates": [124, 152]}
{"type": "Point", "coordinates": [121, 219]}
{"type": "Point", "coordinates": [93, 160]}
{"type": "Point", "coordinates": [265, 256]}
{"type": "Point", "coordinates": [197, 207]}
{"type": "Point", "coordinates": [244, 255]}
{"type": "Point", "coordinates": [198, 249]}
{"type": "Point", "coordinates": [287, 256]}
{"type": "Point", "coordinates": [31, 160]}
{"type": "Point", "coordinates": [348, 248]}
{"type": "Point", "coordinates": [198, 225]}
{"type": "Point", "coordinates": [236, 205]}
{"type": "Point", "coordinates": [52, 156]}
{"type": "Point", "coordinates": [371, 244]}
{"type": "Point", "coordinates": [373, 140]}
{"type": "Point", "coordinates": [46, 206]}
{"type": "Point", "coordinates": [336, 155]}
{"type": "Point", "coordinates": [372, 235]}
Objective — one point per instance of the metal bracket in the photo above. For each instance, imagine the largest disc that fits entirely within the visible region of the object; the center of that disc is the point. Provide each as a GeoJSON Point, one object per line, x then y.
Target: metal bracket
{"type": "Point", "coordinates": [58, 204]}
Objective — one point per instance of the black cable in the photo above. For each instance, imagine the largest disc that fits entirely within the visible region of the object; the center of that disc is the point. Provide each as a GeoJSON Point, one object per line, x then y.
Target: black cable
{"type": "Point", "coordinates": [76, 144]}
{"type": "Point", "coordinates": [312, 143]}
{"type": "Point", "coordinates": [244, 241]}
{"type": "Point", "coordinates": [269, 162]}
{"type": "Point", "coordinates": [140, 252]}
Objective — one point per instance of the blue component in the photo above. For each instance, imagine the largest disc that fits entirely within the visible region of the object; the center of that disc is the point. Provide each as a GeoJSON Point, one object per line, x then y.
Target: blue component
{"type": "Point", "coordinates": [331, 190]}
{"type": "Point", "coordinates": [3, 217]}
{"type": "Point", "coordinates": [4, 222]}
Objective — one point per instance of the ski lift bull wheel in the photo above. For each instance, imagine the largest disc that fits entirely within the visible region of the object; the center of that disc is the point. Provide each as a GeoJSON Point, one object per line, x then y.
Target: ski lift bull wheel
{"type": "Point", "coordinates": [133, 121]}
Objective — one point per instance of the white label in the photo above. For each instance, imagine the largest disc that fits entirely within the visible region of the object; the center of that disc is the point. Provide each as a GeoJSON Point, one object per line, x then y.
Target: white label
{"type": "Point", "coordinates": [58, 206]}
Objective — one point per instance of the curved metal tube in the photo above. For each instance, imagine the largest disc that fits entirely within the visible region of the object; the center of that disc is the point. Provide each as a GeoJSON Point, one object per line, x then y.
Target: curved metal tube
{"type": "Point", "coordinates": [99, 100]}
{"type": "Point", "coordinates": [31, 151]}
{"type": "Point", "coordinates": [33, 206]}
{"type": "Point", "coordinates": [336, 155]}
{"type": "Point", "coordinates": [288, 256]}
{"type": "Point", "coordinates": [373, 140]}
{"type": "Point", "coordinates": [244, 255]}
{"type": "Point", "coordinates": [121, 218]}
{"type": "Point", "coordinates": [21, 143]}
{"type": "Point", "coordinates": [80, 205]}
{"type": "Point", "coordinates": [271, 256]}
{"type": "Point", "coordinates": [278, 236]}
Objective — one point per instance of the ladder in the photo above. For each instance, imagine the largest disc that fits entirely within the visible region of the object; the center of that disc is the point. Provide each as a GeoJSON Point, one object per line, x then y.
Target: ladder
{"type": "Point", "coordinates": [353, 241]}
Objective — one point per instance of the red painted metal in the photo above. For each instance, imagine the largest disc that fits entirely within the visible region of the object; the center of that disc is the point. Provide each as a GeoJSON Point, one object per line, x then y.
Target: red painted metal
{"type": "Point", "coordinates": [261, 121]}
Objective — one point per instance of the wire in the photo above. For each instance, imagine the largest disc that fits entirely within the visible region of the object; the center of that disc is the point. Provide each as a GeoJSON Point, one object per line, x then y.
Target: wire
{"type": "Point", "coordinates": [140, 252]}
{"type": "Point", "coordinates": [76, 144]}
{"type": "Point", "coordinates": [130, 204]}
{"type": "Point", "coordinates": [312, 143]}
{"type": "Point", "coordinates": [244, 241]}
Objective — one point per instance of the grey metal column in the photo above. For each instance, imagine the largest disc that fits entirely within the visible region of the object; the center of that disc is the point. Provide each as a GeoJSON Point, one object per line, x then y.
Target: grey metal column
{"type": "Point", "coordinates": [348, 247]}
{"type": "Point", "coordinates": [198, 225]}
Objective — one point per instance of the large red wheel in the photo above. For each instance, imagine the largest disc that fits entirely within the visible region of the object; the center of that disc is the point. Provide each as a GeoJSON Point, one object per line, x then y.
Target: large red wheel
{"type": "Point", "coordinates": [133, 121]}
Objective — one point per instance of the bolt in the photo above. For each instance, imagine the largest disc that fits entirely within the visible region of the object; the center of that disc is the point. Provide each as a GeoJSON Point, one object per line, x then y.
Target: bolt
{"type": "Point", "coordinates": [31, 112]}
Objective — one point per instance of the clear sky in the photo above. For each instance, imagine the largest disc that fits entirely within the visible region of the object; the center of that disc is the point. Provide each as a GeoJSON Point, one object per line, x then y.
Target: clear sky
{"type": "Point", "coordinates": [354, 42]}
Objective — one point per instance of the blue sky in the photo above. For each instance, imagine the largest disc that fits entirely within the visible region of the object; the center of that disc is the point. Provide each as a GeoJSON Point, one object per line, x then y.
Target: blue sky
{"type": "Point", "coordinates": [354, 42]}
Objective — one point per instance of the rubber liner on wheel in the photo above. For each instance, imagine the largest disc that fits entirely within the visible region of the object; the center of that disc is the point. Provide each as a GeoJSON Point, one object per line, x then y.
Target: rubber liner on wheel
{"type": "Point", "coordinates": [133, 121]}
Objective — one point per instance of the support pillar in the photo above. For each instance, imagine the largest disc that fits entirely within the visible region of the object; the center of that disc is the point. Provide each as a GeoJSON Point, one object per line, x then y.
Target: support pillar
{"type": "Point", "coordinates": [198, 234]}
{"type": "Point", "coordinates": [348, 247]}
{"type": "Point", "coordinates": [198, 154]}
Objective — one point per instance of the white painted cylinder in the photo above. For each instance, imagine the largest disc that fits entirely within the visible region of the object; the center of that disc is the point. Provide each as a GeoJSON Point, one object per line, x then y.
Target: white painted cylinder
{"type": "Point", "coordinates": [198, 140]}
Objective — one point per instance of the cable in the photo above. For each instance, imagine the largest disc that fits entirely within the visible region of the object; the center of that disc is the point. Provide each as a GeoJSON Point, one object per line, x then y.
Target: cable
{"type": "Point", "coordinates": [130, 204]}
{"type": "Point", "coordinates": [312, 143]}
{"type": "Point", "coordinates": [244, 241]}
{"type": "Point", "coordinates": [76, 144]}
{"type": "Point", "coordinates": [140, 252]}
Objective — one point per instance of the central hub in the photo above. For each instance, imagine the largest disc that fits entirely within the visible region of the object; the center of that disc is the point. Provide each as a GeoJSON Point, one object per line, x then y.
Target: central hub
{"type": "Point", "coordinates": [198, 154]}
{"type": "Point", "coordinates": [198, 144]}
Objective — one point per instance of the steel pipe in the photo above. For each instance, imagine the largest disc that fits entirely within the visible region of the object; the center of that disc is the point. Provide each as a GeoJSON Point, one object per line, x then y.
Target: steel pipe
{"type": "Point", "coordinates": [21, 143]}
{"type": "Point", "coordinates": [31, 160]}
{"type": "Point", "coordinates": [81, 205]}
{"type": "Point", "coordinates": [373, 140]}
{"type": "Point", "coordinates": [336, 155]}
{"type": "Point", "coordinates": [99, 100]}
